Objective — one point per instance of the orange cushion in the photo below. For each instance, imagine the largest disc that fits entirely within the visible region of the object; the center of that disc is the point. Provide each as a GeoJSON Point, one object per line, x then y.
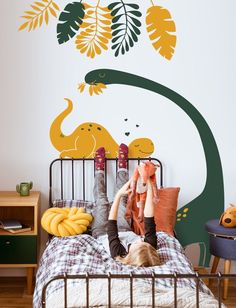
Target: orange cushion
{"type": "Point", "coordinates": [165, 211]}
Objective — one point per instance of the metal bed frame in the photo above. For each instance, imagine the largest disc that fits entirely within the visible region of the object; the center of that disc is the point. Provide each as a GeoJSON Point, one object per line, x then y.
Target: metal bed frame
{"type": "Point", "coordinates": [130, 277]}
{"type": "Point", "coordinates": [197, 276]}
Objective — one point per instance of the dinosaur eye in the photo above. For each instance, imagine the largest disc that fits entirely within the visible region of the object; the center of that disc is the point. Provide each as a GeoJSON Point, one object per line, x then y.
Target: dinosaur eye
{"type": "Point", "coordinates": [136, 145]}
{"type": "Point", "coordinates": [101, 75]}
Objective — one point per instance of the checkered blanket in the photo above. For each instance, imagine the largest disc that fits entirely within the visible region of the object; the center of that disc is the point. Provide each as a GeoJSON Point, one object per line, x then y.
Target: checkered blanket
{"type": "Point", "coordinates": [84, 254]}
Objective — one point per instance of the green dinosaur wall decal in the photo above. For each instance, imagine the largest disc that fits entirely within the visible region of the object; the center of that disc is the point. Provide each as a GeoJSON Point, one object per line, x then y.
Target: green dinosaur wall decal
{"type": "Point", "coordinates": [210, 203]}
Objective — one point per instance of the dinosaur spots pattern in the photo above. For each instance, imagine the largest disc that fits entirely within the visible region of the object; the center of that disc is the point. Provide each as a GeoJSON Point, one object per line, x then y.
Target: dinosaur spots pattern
{"type": "Point", "coordinates": [182, 215]}
{"type": "Point", "coordinates": [89, 136]}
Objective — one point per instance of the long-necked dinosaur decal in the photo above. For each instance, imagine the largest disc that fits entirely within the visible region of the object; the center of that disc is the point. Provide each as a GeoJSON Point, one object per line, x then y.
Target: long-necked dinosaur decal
{"type": "Point", "coordinates": [89, 136]}
{"type": "Point", "coordinates": [210, 203]}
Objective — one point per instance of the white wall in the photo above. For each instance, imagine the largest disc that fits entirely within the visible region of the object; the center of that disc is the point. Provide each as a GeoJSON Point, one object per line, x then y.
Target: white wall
{"type": "Point", "coordinates": [37, 73]}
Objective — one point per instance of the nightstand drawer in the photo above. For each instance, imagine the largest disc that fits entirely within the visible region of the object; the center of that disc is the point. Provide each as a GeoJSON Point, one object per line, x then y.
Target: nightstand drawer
{"type": "Point", "coordinates": [18, 249]}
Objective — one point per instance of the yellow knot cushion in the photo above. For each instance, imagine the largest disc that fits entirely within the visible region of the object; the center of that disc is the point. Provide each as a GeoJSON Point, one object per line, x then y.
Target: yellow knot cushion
{"type": "Point", "coordinates": [65, 221]}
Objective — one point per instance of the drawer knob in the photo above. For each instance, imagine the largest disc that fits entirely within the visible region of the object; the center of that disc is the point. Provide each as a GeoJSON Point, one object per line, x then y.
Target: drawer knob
{"type": "Point", "coordinates": [8, 243]}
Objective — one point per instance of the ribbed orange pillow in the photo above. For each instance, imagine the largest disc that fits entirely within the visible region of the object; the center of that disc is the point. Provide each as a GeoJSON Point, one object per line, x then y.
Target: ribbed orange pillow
{"type": "Point", "coordinates": [165, 211]}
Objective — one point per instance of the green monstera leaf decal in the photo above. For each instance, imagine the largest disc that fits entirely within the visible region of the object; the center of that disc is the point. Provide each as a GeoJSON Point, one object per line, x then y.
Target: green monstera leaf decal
{"type": "Point", "coordinates": [125, 25]}
{"type": "Point", "coordinates": [71, 19]}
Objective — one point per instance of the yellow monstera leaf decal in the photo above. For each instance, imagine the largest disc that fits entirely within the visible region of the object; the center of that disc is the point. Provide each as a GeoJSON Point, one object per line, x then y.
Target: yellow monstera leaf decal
{"type": "Point", "coordinates": [161, 27]}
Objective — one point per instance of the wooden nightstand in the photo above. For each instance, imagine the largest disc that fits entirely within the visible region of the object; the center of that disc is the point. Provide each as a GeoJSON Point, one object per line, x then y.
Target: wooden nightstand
{"type": "Point", "coordinates": [20, 250]}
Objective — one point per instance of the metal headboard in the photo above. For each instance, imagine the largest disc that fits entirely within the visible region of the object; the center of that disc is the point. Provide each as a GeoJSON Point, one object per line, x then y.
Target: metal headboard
{"type": "Point", "coordinates": [70, 163]}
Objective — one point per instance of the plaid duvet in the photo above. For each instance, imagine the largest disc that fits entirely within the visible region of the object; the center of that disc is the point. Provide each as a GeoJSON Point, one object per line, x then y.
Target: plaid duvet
{"type": "Point", "coordinates": [82, 253]}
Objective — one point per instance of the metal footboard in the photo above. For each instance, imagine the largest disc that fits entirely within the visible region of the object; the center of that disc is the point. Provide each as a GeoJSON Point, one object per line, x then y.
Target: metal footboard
{"type": "Point", "coordinates": [130, 277]}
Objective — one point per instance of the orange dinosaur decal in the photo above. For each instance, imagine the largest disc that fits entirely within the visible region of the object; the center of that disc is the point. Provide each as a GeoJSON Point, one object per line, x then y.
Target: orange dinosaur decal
{"type": "Point", "coordinates": [89, 136]}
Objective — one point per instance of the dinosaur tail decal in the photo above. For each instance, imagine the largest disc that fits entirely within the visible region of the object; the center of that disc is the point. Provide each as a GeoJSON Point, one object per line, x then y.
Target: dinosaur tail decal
{"type": "Point", "coordinates": [58, 139]}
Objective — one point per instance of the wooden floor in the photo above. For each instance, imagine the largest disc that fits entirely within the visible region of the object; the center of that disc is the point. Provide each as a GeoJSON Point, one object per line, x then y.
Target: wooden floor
{"type": "Point", "coordinates": [13, 293]}
{"type": "Point", "coordinates": [230, 302]}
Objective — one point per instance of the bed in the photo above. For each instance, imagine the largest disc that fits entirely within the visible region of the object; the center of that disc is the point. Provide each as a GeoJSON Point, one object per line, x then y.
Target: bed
{"type": "Point", "coordinates": [76, 271]}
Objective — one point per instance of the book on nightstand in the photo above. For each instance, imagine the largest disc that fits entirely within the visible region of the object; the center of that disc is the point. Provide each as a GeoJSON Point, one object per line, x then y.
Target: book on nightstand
{"type": "Point", "coordinates": [24, 228]}
{"type": "Point", "coordinates": [10, 224]}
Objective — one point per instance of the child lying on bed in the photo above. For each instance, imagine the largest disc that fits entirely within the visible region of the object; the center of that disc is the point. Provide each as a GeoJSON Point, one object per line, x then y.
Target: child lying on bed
{"type": "Point", "coordinates": [112, 228]}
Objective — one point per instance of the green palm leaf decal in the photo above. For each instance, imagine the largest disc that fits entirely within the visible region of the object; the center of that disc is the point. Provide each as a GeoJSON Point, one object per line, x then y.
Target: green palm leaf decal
{"type": "Point", "coordinates": [71, 19]}
{"type": "Point", "coordinates": [125, 25]}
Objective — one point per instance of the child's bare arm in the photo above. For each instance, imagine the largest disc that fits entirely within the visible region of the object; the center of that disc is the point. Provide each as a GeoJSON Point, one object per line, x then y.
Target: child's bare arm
{"type": "Point", "coordinates": [149, 206]}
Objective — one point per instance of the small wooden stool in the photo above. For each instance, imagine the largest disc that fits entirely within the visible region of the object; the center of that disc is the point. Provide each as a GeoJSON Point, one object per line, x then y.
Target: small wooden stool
{"type": "Point", "coordinates": [222, 245]}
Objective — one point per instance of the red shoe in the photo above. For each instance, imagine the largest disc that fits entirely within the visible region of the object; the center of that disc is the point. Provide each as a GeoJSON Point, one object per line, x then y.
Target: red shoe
{"type": "Point", "coordinates": [100, 157]}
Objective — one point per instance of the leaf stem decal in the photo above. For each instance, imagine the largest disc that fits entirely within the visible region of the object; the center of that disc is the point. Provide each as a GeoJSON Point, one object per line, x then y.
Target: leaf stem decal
{"type": "Point", "coordinates": [39, 14]}
{"type": "Point", "coordinates": [71, 19]}
{"type": "Point", "coordinates": [97, 30]}
{"type": "Point", "coordinates": [125, 25]}
{"type": "Point", "coordinates": [161, 27]}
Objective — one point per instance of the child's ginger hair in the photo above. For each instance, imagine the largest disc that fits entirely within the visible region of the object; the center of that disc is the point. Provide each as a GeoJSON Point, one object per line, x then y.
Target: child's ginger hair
{"type": "Point", "coordinates": [142, 173]}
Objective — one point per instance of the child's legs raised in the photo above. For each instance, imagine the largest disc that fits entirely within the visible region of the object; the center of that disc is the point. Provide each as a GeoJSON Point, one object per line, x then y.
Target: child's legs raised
{"type": "Point", "coordinates": [121, 178]}
{"type": "Point", "coordinates": [102, 206]}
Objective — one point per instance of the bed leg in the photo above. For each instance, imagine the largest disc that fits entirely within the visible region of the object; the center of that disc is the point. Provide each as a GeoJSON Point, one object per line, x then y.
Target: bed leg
{"type": "Point", "coordinates": [30, 274]}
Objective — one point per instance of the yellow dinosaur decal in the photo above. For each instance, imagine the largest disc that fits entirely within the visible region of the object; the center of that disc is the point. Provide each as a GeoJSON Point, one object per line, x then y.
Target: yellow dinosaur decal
{"type": "Point", "coordinates": [89, 136]}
